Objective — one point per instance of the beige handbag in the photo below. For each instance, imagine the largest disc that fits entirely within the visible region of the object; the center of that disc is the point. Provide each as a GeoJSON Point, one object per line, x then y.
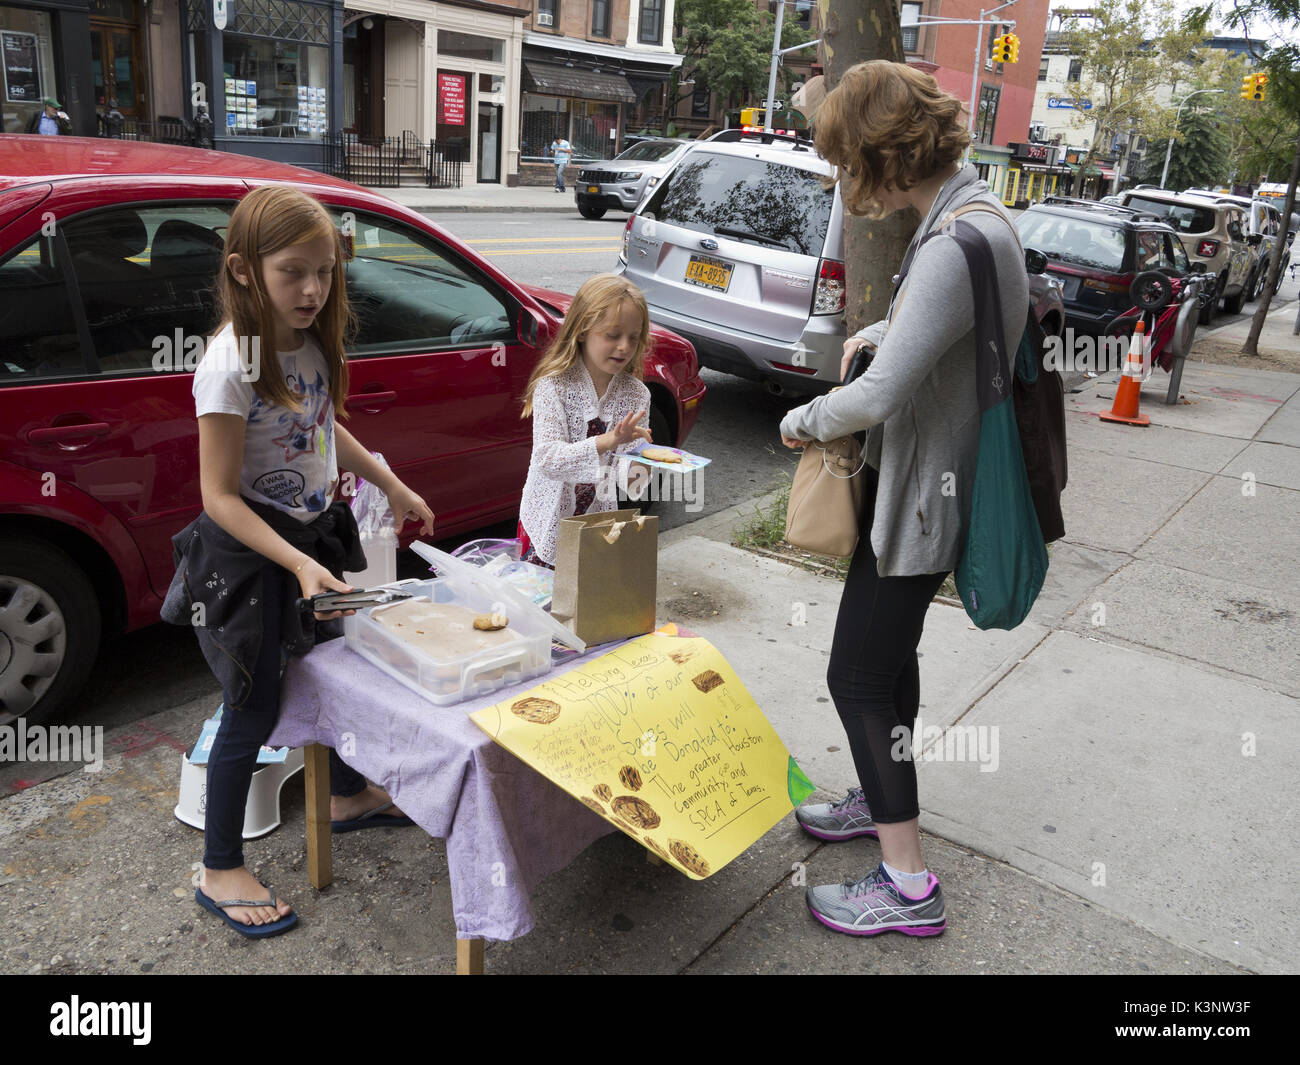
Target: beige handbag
{"type": "Point", "coordinates": [826, 498]}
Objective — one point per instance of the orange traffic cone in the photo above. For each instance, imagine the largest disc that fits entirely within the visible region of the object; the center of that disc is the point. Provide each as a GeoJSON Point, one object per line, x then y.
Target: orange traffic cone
{"type": "Point", "coordinates": [1128, 394]}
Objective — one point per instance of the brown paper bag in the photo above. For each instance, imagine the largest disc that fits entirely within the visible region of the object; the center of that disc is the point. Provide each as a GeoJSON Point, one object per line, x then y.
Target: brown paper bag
{"type": "Point", "coordinates": [606, 575]}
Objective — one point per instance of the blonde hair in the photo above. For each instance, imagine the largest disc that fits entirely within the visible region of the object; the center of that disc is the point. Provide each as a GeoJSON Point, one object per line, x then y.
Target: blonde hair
{"type": "Point", "coordinates": [887, 124]}
{"type": "Point", "coordinates": [265, 221]}
{"type": "Point", "coordinates": [597, 297]}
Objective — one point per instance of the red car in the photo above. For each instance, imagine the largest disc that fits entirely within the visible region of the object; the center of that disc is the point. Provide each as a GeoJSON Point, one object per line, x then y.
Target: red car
{"type": "Point", "coordinates": [108, 251]}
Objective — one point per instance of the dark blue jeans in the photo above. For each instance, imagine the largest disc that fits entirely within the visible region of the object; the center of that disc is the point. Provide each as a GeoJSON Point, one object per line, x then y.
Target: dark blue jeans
{"type": "Point", "coordinates": [559, 176]}
{"type": "Point", "coordinates": [233, 758]}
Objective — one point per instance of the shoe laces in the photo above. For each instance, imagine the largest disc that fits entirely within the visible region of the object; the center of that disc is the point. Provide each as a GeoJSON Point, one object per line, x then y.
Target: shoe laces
{"type": "Point", "coordinates": [854, 795]}
{"type": "Point", "coordinates": [871, 884]}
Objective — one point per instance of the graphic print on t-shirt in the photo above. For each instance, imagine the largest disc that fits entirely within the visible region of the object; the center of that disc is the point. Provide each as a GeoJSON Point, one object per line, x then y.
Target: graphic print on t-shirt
{"type": "Point", "coordinates": [302, 435]}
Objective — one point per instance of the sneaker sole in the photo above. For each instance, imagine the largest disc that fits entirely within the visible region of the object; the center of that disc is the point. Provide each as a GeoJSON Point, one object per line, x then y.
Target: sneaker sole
{"type": "Point", "coordinates": [907, 930]}
{"type": "Point", "coordinates": [832, 837]}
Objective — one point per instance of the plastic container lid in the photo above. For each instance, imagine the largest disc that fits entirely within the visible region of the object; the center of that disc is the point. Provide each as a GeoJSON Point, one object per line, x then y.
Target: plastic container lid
{"type": "Point", "coordinates": [450, 566]}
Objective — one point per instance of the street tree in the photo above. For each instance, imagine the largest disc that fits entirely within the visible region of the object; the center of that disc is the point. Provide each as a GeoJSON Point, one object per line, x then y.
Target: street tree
{"type": "Point", "coordinates": [1202, 153]}
{"type": "Point", "coordinates": [854, 31]}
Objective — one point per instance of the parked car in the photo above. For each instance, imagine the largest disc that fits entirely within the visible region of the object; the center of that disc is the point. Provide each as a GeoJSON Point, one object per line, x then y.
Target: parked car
{"type": "Point", "coordinates": [98, 438]}
{"type": "Point", "coordinates": [1263, 231]}
{"type": "Point", "coordinates": [1095, 250]}
{"type": "Point", "coordinates": [740, 250]}
{"type": "Point", "coordinates": [621, 183]}
{"type": "Point", "coordinates": [1211, 233]}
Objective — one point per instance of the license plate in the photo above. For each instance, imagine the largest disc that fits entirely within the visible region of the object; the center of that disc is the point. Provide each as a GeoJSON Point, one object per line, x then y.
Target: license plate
{"type": "Point", "coordinates": [593, 188]}
{"type": "Point", "coordinates": [709, 273]}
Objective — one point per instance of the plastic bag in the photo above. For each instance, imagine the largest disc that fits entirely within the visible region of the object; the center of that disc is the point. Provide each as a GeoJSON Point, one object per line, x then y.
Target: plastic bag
{"type": "Point", "coordinates": [370, 507]}
{"type": "Point", "coordinates": [500, 558]}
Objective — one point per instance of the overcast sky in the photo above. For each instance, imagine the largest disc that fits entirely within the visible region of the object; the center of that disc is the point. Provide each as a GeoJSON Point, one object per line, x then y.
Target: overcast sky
{"type": "Point", "coordinates": [1264, 32]}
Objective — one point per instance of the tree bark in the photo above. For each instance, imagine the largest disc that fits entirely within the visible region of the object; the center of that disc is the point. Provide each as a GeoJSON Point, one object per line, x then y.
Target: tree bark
{"type": "Point", "coordinates": [1251, 347]}
{"type": "Point", "coordinates": [854, 31]}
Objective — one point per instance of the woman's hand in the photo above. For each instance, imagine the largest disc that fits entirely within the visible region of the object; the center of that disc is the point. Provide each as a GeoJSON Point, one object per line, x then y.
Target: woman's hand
{"type": "Point", "coordinates": [797, 445]}
{"type": "Point", "coordinates": [313, 578]}
{"type": "Point", "coordinates": [407, 506]}
{"type": "Point", "coordinates": [623, 433]}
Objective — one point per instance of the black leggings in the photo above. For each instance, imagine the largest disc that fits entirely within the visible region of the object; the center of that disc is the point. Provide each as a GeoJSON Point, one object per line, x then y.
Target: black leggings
{"type": "Point", "coordinates": [873, 675]}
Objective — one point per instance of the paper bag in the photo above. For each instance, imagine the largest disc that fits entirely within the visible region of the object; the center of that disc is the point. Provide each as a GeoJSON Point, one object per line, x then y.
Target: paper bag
{"type": "Point", "coordinates": [606, 573]}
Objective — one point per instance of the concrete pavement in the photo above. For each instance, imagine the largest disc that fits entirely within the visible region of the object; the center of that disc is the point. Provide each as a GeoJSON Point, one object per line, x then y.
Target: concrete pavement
{"type": "Point", "coordinates": [529, 198]}
{"type": "Point", "coordinates": [1138, 816]}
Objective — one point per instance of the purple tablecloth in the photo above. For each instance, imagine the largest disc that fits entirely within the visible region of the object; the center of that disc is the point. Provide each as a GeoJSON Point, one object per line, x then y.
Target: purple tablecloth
{"type": "Point", "coordinates": [506, 826]}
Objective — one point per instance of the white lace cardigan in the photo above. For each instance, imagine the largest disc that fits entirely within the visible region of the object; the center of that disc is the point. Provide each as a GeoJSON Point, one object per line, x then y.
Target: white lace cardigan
{"type": "Point", "coordinates": [563, 454]}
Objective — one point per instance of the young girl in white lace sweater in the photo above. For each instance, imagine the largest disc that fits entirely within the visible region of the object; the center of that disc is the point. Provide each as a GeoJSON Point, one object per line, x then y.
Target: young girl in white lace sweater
{"type": "Point", "coordinates": [587, 403]}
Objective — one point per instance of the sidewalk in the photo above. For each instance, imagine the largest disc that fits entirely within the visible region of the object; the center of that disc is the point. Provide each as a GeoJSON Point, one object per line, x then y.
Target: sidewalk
{"type": "Point", "coordinates": [531, 198]}
{"type": "Point", "coordinates": [1278, 335]}
{"type": "Point", "coordinates": [1140, 817]}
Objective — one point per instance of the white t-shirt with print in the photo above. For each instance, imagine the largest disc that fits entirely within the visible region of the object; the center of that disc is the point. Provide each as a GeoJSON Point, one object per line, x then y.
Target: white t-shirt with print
{"type": "Point", "coordinates": [289, 459]}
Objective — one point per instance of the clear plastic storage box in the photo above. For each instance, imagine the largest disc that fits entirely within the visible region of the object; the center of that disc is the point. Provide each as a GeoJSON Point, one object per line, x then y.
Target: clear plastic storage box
{"type": "Point", "coordinates": [455, 678]}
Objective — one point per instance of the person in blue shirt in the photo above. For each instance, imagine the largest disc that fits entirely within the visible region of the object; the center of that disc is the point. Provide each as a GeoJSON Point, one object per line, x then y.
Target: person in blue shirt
{"type": "Point", "coordinates": [53, 120]}
{"type": "Point", "coordinates": [562, 152]}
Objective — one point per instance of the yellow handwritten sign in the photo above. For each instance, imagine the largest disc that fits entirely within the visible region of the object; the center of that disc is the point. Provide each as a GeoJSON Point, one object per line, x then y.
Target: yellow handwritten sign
{"type": "Point", "coordinates": [660, 738]}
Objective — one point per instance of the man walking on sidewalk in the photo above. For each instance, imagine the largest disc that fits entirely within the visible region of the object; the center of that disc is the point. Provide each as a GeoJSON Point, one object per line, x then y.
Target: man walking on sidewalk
{"type": "Point", "coordinates": [562, 151]}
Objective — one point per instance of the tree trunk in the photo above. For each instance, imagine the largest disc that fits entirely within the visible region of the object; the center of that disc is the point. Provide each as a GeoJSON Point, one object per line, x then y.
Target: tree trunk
{"type": "Point", "coordinates": [1251, 347]}
{"type": "Point", "coordinates": [854, 31]}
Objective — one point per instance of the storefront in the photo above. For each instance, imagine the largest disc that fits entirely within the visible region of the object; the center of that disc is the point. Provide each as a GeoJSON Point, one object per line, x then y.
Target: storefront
{"type": "Point", "coordinates": [1097, 181]}
{"type": "Point", "coordinates": [45, 52]}
{"type": "Point", "coordinates": [586, 93]}
{"type": "Point", "coordinates": [1033, 174]}
{"type": "Point", "coordinates": [269, 77]}
{"type": "Point", "coordinates": [991, 163]}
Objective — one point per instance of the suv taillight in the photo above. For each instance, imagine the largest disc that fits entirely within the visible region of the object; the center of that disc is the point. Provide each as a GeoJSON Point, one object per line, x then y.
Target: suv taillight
{"type": "Point", "coordinates": [627, 229]}
{"type": "Point", "coordinates": [829, 298]}
{"type": "Point", "coordinates": [1208, 249]}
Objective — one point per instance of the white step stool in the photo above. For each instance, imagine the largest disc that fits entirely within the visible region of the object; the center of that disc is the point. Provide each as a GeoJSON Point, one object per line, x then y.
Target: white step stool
{"type": "Point", "coordinates": [262, 812]}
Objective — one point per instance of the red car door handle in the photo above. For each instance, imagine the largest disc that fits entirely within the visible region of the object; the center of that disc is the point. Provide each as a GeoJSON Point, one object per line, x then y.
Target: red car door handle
{"type": "Point", "coordinates": [369, 400]}
{"type": "Point", "coordinates": [64, 434]}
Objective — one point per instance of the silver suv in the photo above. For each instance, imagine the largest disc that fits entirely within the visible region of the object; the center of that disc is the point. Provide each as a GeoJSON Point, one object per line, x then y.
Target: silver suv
{"type": "Point", "coordinates": [621, 182]}
{"type": "Point", "coordinates": [739, 249]}
{"type": "Point", "coordinates": [1263, 231]}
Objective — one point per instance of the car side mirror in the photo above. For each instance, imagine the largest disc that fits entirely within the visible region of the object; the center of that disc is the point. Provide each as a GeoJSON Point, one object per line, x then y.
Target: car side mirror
{"type": "Point", "coordinates": [1254, 239]}
{"type": "Point", "coordinates": [1035, 261]}
{"type": "Point", "coordinates": [533, 328]}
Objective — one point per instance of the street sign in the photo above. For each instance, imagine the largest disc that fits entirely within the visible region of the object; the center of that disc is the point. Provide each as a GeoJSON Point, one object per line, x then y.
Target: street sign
{"type": "Point", "coordinates": [219, 14]}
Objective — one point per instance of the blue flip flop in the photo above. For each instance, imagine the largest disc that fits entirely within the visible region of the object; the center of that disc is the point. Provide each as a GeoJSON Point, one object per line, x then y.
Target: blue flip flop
{"type": "Point", "coordinates": [369, 820]}
{"type": "Point", "coordinates": [253, 931]}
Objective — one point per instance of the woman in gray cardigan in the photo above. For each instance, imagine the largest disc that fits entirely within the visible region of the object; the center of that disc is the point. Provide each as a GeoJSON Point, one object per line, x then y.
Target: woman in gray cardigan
{"type": "Point", "coordinates": [897, 139]}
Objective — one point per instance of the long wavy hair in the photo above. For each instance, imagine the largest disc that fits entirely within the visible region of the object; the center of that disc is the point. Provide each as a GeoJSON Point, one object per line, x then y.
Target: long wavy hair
{"type": "Point", "coordinates": [597, 297]}
{"type": "Point", "coordinates": [265, 221]}
{"type": "Point", "coordinates": [887, 124]}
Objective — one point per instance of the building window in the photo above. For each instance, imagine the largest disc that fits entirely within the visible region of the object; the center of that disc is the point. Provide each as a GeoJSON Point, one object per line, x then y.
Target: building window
{"type": "Point", "coordinates": [911, 34]}
{"type": "Point", "coordinates": [585, 124]}
{"type": "Point", "coordinates": [275, 88]}
{"type": "Point", "coordinates": [700, 103]}
{"type": "Point", "coordinates": [650, 26]}
{"type": "Point", "coordinates": [1042, 68]}
{"type": "Point", "coordinates": [1076, 70]}
{"type": "Point", "coordinates": [470, 46]}
{"type": "Point", "coordinates": [548, 13]}
{"type": "Point", "coordinates": [283, 20]}
{"type": "Point", "coordinates": [600, 18]}
{"type": "Point", "coordinates": [987, 119]}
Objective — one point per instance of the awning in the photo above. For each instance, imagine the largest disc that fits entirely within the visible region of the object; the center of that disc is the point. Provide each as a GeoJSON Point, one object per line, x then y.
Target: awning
{"type": "Point", "coordinates": [574, 81]}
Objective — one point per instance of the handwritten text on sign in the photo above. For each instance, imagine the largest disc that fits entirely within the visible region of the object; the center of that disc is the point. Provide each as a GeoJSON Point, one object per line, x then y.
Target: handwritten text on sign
{"type": "Point", "coordinates": [661, 738]}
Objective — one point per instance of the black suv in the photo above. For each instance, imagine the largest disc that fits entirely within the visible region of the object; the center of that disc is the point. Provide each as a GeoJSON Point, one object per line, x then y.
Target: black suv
{"type": "Point", "coordinates": [1095, 250]}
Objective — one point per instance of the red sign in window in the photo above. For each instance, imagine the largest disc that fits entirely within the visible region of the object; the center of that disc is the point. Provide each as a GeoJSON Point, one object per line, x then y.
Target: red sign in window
{"type": "Point", "coordinates": [451, 99]}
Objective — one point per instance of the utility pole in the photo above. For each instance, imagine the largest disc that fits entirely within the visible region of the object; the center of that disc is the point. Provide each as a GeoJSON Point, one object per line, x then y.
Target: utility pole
{"type": "Point", "coordinates": [1251, 347]}
{"type": "Point", "coordinates": [777, 53]}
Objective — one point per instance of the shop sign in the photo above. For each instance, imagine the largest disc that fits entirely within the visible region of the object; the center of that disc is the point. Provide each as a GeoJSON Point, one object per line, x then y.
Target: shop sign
{"type": "Point", "coordinates": [219, 13]}
{"type": "Point", "coordinates": [451, 99]}
{"type": "Point", "coordinates": [1058, 103]}
{"type": "Point", "coordinates": [22, 68]}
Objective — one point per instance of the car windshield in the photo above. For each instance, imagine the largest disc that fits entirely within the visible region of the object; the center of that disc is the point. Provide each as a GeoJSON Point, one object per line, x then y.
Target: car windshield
{"type": "Point", "coordinates": [746, 198]}
{"type": "Point", "coordinates": [1184, 217]}
{"type": "Point", "coordinates": [648, 152]}
{"type": "Point", "coordinates": [1073, 240]}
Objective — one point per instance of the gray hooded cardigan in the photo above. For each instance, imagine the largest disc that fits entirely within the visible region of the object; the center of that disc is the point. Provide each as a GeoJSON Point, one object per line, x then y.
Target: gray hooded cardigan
{"type": "Point", "coordinates": [918, 397]}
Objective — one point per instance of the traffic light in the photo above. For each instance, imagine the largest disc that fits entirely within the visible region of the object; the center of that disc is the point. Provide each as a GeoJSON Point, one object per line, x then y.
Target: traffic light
{"type": "Point", "coordinates": [1015, 48]}
{"type": "Point", "coordinates": [1247, 86]}
{"type": "Point", "coordinates": [1260, 81]}
{"type": "Point", "coordinates": [1006, 48]}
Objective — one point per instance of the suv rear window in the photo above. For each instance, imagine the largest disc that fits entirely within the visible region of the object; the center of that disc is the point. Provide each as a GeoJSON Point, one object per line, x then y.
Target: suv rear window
{"type": "Point", "coordinates": [1068, 239]}
{"type": "Point", "coordinates": [782, 206]}
{"type": "Point", "coordinates": [1184, 217]}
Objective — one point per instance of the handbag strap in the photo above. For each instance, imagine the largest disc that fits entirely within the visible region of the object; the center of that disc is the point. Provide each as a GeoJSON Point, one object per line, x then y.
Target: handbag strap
{"type": "Point", "coordinates": [842, 476]}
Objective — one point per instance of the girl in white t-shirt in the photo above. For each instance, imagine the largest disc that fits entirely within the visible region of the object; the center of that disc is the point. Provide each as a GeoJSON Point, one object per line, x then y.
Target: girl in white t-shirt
{"type": "Point", "coordinates": [268, 394]}
{"type": "Point", "coordinates": [587, 402]}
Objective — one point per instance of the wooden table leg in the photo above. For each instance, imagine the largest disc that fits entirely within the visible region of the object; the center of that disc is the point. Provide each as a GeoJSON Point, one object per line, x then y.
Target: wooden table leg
{"type": "Point", "coordinates": [469, 957]}
{"type": "Point", "coordinates": [316, 773]}
{"type": "Point", "coordinates": [651, 858]}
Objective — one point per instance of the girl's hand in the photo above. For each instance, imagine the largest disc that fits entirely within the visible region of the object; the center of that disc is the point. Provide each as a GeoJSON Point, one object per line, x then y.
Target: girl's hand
{"type": "Point", "coordinates": [407, 506]}
{"type": "Point", "coordinates": [314, 578]}
{"type": "Point", "coordinates": [624, 433]}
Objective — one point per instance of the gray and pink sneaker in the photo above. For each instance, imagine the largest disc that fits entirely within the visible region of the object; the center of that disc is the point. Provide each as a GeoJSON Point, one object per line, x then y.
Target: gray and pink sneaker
{"type": "Point", "coordinates": [835, 821]}
{"type": "Point", "coordinates": [874, 904]}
